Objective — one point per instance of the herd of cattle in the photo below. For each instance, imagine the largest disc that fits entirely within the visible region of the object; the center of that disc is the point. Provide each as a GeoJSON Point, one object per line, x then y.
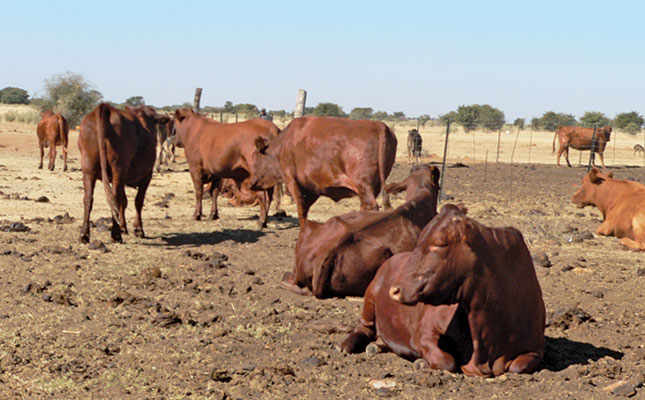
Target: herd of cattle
{"type": "Point", "coordinates": [437, 286]}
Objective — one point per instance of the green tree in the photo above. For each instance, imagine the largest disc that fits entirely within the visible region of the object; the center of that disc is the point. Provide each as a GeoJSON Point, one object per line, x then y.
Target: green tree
{"type": "Point", "coordinates": [490, 118]}
{"type": "Point", "coordinates": [551, 120]}
{"type": "Point", "coordinates": [535, 123]}
{"type": "Point", "coordinates": [630, 122]}
{"type": "Point", "coordinates": [591, 118]}
{"type": "Point", "coordinates": [228, 107]}
{"type": "Point", "coordinates": [361, 113]}
{"type": "Point", "coordinates": [247, 109]}
{"type": "Point", "coordinates": [398, 115]}
{"type": "Point", "coordinates": [71, 95]}
{"type": "Point", "coordinates": [14, 95]}
{"type": "Point", "coordinates": [135, 101]}
{"type": "Point", "coordinates": [519, 122]}
{"type": "Point", "coordinates": [423, 119]}
{"type": "Point", "coordinates": [451, 116]}
{"type": "Point", "coordinates": [329, 110]}
{"type": "Point", "coordinates": [380, 115]}
{"type": "Point", "coordinates": [467, 117]}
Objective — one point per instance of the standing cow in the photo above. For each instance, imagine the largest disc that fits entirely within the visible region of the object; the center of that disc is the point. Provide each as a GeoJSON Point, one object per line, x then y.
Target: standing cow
{"type": "Point", "coordinates": [327, 156]}
{"type": "Point", "coordinates": [215, 151]}
{"type": "Point", "coordinates": [414, 146]}
{"type": "Point", "coordinates": [117, 147]}
{"type": "Point", "coordinates": [581, 138]}
{"type": "Point", "coordinates": [52, 131]}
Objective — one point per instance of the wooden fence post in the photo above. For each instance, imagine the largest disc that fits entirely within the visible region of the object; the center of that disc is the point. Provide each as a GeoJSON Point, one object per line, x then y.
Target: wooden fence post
{"type": "Point", "coordinates": [198, 98]}
{"type": "Point", "coordinates": [530, 143]}
{"type": "Point", "coordinates": [300, 103]}
{"type": "Point", "coordinates": [510, 191]}
{"type": "Point", "coordinates": [443, 164]}
{"type": "Point", "coordinates": [499, 135]}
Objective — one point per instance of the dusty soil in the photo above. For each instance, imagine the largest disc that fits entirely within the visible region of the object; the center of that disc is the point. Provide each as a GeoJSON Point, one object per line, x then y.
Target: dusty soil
{"type": "Point", "coordinates": [195, 310]}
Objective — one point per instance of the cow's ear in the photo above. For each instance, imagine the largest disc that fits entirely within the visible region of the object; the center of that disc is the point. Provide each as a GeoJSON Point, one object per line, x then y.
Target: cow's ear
{"type": "Point", "coordinates": [593, 176]}
{"type": "Point", "coordinates": [609, 174]}
{"type": "Point", "coordinates": [462, 208]}
{"type": "Point", "coordinates": [261, 144]}
{"type": "Point", "coordinates": [179, 116]}
{"type": "Point", "coordinates": [435, 175]}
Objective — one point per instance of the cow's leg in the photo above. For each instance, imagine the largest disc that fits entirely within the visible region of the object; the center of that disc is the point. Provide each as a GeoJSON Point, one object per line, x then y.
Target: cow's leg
{"type": "Point", "coordinates": [88, 199]}
{"type": "Point", "coordinates": [368, 199]}
{"type": "Point", "coordinates": [278, 193]}
{"type": "Point", "coordinates": [303, 201]}
{"type": "Point", "coordinates": [605, 229]}
{"type": "Point", "coordinates": [602, 160]}
{"type": "Point", "coordinates": [566, 156]}
{"type": "Point", "coordinates": [64, 148]}
{"type": "Point", "coordinates": [42, 154]}
{"type": "Point", "coordinates": [138, 205]}
{"type": "Point", "coordinates": [434, 356]}
{"type": "Point", "coordinates": [196, 175]}
{"type": "Point", "coordinates": [213, 191]}
{"type": "Point", "coordinates": [365, 330]}
{"type": "Point", "coordinates": [52, 155]}
{"type": "Point", "coordinates": [265, 202]}
{"type": "Point", "coordinates": [118, 227]}
{"type": "Point", "coordinates": [524, 363]}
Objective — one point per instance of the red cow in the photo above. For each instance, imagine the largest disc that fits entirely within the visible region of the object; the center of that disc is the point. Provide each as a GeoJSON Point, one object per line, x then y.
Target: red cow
{"type": "Point", "coordinates": [466, 298]}
{"type": "Point", "coordinates": [52, 131]}
{"type": "Point", "coordinates": [242, 196]}
{"type": "Point", "coordinates": [215, 151]}
{"type": "Point", "coordinates": [581, 139]}
{"type": "Point", "coordinates": [421, 176]}
{"type": "Point", "coordinates": [334, 157]}
{"type": "Point", "coordinates": [117, 147]}
{"type": "Point", "coordinates": [622, 204]}
{"type": "Point", "coordinates": [340, 257]}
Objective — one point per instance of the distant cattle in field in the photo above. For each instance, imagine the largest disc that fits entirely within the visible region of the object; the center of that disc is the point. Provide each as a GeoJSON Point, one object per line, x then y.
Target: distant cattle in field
{"type": "Point", "coordinates": [52, 131]}
{"type": "Point", "coordinates": [414, 146]}
{"type": "Point", "coordinates": [340, 257]}
{"type": "Point", "coordinates": [118, 148]}
{"type": "Point", "coordinates": [327, 156]}
{"type": "Point", "coordinates": [166, 145]}
{"type": "Point", "coordinates": [622, 204]}
{"type": "Point", "coordinates": [215, 151]}
{"type": "Point", "coordinates": [639, 149]}
{"type": "Point", "coordinates": [466, 299]}
{"type": "Point", "coordinates": [580, 138]}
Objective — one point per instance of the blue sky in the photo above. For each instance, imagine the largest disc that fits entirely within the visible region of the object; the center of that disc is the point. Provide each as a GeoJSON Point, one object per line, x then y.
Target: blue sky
{"type": "Point", "coordinates": [419, 57]}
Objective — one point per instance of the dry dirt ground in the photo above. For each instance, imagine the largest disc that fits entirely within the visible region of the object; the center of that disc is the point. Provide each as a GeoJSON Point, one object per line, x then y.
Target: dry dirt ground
{"type": "Point", "coordinates": [195, 310]}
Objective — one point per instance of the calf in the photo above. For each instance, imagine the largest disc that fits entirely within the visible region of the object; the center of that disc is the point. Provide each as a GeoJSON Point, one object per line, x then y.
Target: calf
{"type": "Point", "coordinates": [414, 146]}
{"type": "Point", "coordinates": [117, 147]}
{"type": "Point", "coordinates": [465, 299]}
{"type": "Point", "coordinates": [215, 151]}
{"type": "Point", "coordinates": [52, 131]}
{"type": "Point", "coordinates": [327, 156]}
{"type": "Point", "coordinates": [622, 204]}
{"type": "Point", "coordinates": [421, 176]}
{"type": "Point", "coordinates": [340, 257]}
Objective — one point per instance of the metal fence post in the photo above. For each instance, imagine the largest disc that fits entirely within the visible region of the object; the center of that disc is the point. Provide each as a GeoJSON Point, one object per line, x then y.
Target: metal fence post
{"type": "Point", "coordinates": [443, 164]}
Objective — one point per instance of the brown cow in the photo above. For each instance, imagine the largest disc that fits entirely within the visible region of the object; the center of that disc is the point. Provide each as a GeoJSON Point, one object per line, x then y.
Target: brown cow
{"type": "Point", "coordinates": [622, 204]}
{"type": "Point", "coordinates": [581, 139]}
{"type": "Point", "coordinates": [421, 176]}
{"type": "Point", "coordinates": [414, 146]}
{"type": "Point", "coordinates": [239, 196]}
{"type": "Point", "coordinates": [466, 298]}
{"type": "Point", "coordinates": [328, 156]}
{"type": "Point", "coordinates": [117, 147]}
{"type": "Point", "coordinates": [52, 131]}
{"type": "Point", "coordinates": [166, 145]}
{"type": "Point", "coordinates": [215, 150]}
{"type": "Point", "coordinates": [340, 257]}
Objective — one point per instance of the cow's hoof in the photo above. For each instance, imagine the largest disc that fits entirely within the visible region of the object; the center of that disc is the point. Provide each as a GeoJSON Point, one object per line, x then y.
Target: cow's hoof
{"type": "Point", "coordinates": [197, 217]}
{"type": "Point", "coordinates": [40, 167]}
{"type": "Point", "coordinates": [85, 238]}
{"type": "Point", "coordinates": [139, 233]}
{"type": "Point", "coordinates": [355, 342]}
{"type": "Point", "coordinates": [213, 217]}
{"type": "Point", "coordinates": [262, 225]}
{"type": "Point", "coordinates": [64, 169]}
{"type": "Point", "coordinates": [280, 214]}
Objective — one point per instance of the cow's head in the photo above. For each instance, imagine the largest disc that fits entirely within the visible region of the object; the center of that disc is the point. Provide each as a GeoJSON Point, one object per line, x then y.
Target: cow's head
{"type": "Point", "coordinates": [149, 117]}
{"type": "Point", "coordinates": [591, 182]}
{"type": "Point", "coordinates": [266, 168]}
{"type": "Point", "coordinates": [444, 266]}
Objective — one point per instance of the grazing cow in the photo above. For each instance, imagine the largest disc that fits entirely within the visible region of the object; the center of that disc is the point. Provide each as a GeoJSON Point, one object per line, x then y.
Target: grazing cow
{"type": "Point", "coordinates": [117, 147]}
{"type": "Point", "coordinates": [414, 146]}
{"type": "Point", "coordinates": [421, 176]}
{"type": "Point", "coordinates": [327, 156]}
{"type": "Point", "coordinates": [340, 257]}
{"type": "Point", "coordinates": [639, 149]}
{"type": "Point", "coordinates": [215, 151]}
{"type": "Point", "coordinates": [581, 139]}
{"type": "Point", "coordinates": [466, 298]}
{"type": "Point", "coordinates": [52, 131]}
{"type": "Point", "coordinates": [622, 204]}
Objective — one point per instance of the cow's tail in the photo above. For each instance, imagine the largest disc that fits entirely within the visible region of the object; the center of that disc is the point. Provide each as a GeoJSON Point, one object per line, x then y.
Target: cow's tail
{"type": "Point", "coordinates": [554, 136]}
{"type": "Point", "coordinates": [102, 125]}
{"type": "Point", "coordinates": [382, 164]}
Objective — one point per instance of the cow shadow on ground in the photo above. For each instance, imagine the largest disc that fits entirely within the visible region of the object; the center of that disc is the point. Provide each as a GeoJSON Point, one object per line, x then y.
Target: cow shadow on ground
{"type": "Point", "coordinates": [284, 221]}
{"type": "Point", "coordinates": [210, 238]}
{"type": "Point", "coordinates": [560, 353]}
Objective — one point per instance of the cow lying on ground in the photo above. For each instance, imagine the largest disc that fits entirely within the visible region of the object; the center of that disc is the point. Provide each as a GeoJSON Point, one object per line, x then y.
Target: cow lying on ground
{"type": "Point", "coordinates": [52, 131]}
{"type": "Point", "coordinates": [466, 298]}
{"type": "Point", "coordinates": [622, 204]}
{"type": "Point", "coordinates": [215, 151]}
{"type": "Point", "coordinates": [327, 156]}
{"type": "Point", "coordinates": [580, 138]}
{"type": "Point", "coordinates": [340, 257]}
{"type": "Point", "coordinates": [414, 146]}
{"type": "Point", "coordinates": [117, 147]}
{"type": "Point", "coordinates": [242, 196]}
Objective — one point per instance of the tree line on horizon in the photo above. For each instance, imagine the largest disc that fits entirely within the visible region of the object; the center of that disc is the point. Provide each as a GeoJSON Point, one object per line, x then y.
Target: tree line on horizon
{"type": "Point", "coordinates": [74, 97]}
